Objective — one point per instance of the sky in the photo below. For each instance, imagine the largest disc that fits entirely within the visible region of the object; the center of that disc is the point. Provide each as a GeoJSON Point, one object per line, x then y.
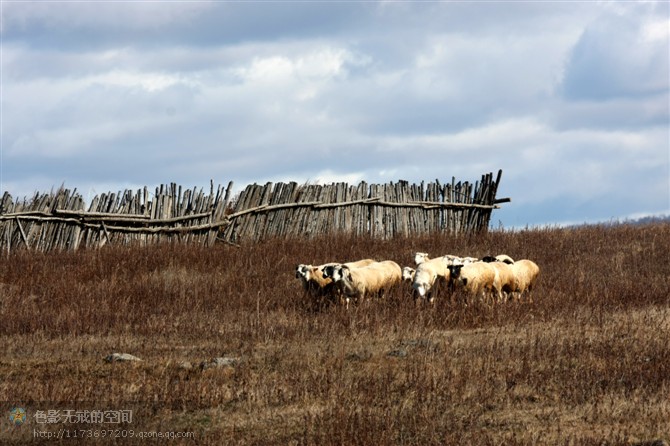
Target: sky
{"type": "Point", "coordinates": [571, 99]}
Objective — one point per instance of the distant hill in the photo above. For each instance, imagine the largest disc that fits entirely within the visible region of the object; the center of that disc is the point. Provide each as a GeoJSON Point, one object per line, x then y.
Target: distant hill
{"type": "Point", "coordinates": [650, 219]}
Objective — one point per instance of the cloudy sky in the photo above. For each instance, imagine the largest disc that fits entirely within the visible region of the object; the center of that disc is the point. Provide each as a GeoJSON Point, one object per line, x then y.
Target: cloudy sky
{"type": "Point", "coordinates": [571, 99]}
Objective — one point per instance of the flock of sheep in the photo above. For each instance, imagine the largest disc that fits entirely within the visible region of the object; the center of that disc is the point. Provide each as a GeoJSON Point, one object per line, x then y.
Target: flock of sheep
{"type": "Point", "coordinates": [492, 279]}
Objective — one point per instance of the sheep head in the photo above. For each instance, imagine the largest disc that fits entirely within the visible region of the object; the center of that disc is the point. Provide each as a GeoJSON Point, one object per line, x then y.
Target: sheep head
{"type": "Point", "coordinates": [455, 271]}
{"type": "Point", "coordinates": [408, 274]}
{"type": "Point", "coordinates": [301, 271]}
{"type": "Point", "coordinates": [310, 272]}
{"type": "Point", "coordinates": [328, 272]}
{"type": "Point", "coordinates": [339, 273]}
{"type": "Point", "coordinates": [421, 257]}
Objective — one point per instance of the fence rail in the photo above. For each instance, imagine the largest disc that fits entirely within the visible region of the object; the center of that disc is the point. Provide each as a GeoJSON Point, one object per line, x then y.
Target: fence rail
{"type": "Point", "coordinates": [58, 220]}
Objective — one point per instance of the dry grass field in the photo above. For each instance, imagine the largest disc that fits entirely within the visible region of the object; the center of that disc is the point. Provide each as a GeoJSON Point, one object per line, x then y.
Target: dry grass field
{"type": "Point", "coordinates": [587, 363]}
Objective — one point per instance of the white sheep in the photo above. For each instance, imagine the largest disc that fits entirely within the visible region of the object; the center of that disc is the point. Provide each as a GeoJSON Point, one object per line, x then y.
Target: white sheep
{"type": "Point", "coordinates": [436, 270]}
{"type": "Point", "coordinates": [506, 275]}
{"type": "Point", "coordinates": [317, 284]}
{"type": "Point", "coordinates": [455, 260]}
{"type": "Point", "coordinates": [371, 279]}
{"type": "Point", "coordinates": [505, 259]}
{"type": "Point", "coordinates": [408, 274]}
{"type": "Point", "coordinates": [328, 270]}
{"type": "Point", "coordinates": [427, 274]}
{"type": "Point", "coordinates": [477, 279]}
{"type": "Point", "coordinates": [421, 257]}
{"type": "Point", "coordinates": [526, 273]}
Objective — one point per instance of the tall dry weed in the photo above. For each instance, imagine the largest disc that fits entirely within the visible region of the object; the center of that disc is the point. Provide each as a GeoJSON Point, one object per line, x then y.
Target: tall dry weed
{"type": "Point", "coordinates": [585, 363]}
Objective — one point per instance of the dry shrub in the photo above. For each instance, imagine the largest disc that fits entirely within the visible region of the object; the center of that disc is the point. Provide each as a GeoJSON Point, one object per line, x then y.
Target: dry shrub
{"type": "Point", "coordinates": [587, 362]}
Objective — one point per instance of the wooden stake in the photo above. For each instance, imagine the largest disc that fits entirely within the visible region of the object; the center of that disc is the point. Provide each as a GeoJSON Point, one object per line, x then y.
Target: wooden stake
{"type": "Point", "coordinates": [23, 234]}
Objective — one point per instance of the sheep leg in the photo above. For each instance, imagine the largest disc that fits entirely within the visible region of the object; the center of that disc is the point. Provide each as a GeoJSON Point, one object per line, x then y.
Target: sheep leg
{"type": "Point", "coordinates": [489, 297]}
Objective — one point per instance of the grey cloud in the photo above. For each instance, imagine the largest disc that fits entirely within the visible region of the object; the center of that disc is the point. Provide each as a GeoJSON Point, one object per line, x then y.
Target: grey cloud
{"type": "Point", "coordinates": [87, 118]}
{"type": "Point", "coordinates": [153, 25]}
{"type": "Point", "coordinates": [627, 113]}
{"type": "Point", "coordinates": [613, 59]}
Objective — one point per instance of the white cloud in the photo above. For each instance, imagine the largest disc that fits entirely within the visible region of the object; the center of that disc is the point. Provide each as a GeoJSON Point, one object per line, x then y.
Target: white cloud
{"type": "Point", "coordinates": [282, 79]}
{"type": "Point", "coordinates": [656, 30]}
{"type": "Point", "coordinates": [322, 64]}
{"type": "Point", "coordinates": [148, 81]}
{"type": "Point", "coordinates": [275, 69]}
{"type": "Point", "coordinates": [328, 176]}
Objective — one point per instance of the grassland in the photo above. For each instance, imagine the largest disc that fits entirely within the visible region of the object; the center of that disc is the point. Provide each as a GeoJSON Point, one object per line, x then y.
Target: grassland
{"type": "Point", "coordinates": [587, 363]}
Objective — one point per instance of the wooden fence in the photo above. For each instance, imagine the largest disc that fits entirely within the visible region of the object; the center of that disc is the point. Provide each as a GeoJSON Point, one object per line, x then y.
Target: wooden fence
{"type": "Point", "coordinates": [58, 220]}
{"type": "Point", "coordinates": [381, 210]}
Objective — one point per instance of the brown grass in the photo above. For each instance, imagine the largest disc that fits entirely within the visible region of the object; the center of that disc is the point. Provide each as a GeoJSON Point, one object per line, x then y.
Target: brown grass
{"type": "Point", "coordinates": [587, 363]}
